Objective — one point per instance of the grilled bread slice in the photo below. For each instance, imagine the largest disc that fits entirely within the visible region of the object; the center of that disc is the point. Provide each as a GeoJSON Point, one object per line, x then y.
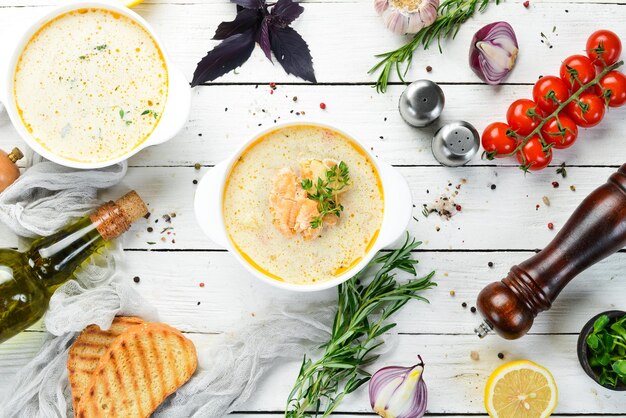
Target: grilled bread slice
{"type": "Point", "coordinates": [89, 346]}
{"type": "Point", "coordinates": [140, 369]}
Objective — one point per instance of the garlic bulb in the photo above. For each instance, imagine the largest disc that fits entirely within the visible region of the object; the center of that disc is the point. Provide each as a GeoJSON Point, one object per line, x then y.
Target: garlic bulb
{"type": "Point", "coordinates": [399, 392]}
{"type": "Point", "coordinates": [407, 16]}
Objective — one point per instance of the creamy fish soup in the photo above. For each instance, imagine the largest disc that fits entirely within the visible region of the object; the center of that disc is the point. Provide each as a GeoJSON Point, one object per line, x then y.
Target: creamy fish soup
{"type": "Point", "coordinates": [303, 204]}
{"type": "Point", "coordinates": [91, 85]}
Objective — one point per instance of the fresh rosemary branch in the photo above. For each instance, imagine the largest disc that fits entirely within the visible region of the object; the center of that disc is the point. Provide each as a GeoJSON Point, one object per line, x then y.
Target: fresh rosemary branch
{"type": "Point", "coordinates": [326, 192]}
{"type": "Point", "coordinates": [451, 15]}
{"type": "Point", "coordinates": [360, 321]}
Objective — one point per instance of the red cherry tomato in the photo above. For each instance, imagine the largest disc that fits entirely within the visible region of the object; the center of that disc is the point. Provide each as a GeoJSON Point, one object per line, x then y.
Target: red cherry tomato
{"type": "Point", "coordinates": [548, 92]}
{"type": "Point", "coordinates": [588, 111]}
{"type": "Point", "coordinates": [562, 136]}
{"type": "Point", "coordinates": [577, 66]}
{"type": "Point", "coordinates": [535, 158]}
{"type": "Point", "coordinates": [604, 47]}
{"type": "Point", "coordinates": [614, 86]}
{"type": "Point", "coordinates": [499, 139]}
{"type": "Point", "coordinates": [523, 116]}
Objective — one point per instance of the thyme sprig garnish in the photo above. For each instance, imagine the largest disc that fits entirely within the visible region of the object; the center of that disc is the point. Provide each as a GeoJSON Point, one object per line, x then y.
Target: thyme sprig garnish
{"type": "Point", "coordinates": [544, 119]}
{"type": "Point", "coordinates": [451, 15]}
{"type": "Point", "coordinates": [360, 321]}
{"type": "Point", "coordinates": [326, 192]}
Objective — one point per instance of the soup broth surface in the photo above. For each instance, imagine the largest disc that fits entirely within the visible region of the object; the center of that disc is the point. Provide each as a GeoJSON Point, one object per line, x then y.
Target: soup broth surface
{"type": "Point", "coordinates": [91, 85]}
{"type": "Point", "coordinates": [298, 260]}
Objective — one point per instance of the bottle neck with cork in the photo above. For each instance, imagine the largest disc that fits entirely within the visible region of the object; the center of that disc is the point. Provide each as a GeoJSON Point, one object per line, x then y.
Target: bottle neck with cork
{"type": "Point", "coordinates": [51, 258]}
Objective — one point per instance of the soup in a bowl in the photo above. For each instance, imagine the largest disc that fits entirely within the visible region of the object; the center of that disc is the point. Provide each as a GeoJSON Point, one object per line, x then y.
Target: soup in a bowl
{"type": "Point", "coordinates": [303, 204]}
{"type": "Point", "coordinates": [91, 85]}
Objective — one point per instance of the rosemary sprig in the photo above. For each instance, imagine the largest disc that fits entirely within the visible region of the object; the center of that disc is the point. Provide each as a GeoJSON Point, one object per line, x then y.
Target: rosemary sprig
{"type": "Point", "coordinates": [451, 15]}
{"type": "Point", "coordinates": [326, 192]}
{"type": "Point", "coordinates": [360, 321]}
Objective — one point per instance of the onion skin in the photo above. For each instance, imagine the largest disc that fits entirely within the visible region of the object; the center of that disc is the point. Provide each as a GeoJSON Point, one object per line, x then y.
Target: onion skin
{"type": "Point", "coordinates": [493, 52]}
{"type": "Point", "coordinates": [399, 392]}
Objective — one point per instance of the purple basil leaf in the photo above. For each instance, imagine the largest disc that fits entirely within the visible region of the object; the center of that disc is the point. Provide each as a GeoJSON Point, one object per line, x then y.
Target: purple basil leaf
{"type": "Point", "coordinates": [292, 52]}
{"type": "Point", "coordinates": [263, 38]}
{"type": "Point", "coordinates": [228, 55]}
{"type": "Point", "coordinates": [250, 4]}
{"type": "Point", "coordinates": [245, 19]}
{"type": "Point", "coordinates": [286, 11]}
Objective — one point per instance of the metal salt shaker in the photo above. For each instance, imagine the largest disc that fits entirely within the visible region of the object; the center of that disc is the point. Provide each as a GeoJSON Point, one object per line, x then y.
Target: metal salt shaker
{"type": "Point", "coordinates": [421, 103]}
{"type": "Point", "coordinates": [455, 143]}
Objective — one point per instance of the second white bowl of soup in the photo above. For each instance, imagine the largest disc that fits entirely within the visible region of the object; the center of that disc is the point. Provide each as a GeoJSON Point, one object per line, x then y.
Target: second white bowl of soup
{"type": "Point", "coordinates": [88, 85]}
{"type": "Point", "coordinates": [303, 206]}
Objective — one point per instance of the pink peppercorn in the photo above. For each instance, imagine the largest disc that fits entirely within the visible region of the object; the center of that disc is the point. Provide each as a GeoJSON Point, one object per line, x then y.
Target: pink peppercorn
{"type": "Point", "coordinates": [526, 4]}
{"type": "Point", "coordinates": [550, 225]}
{"type": "Point", "coordinates": [322, 105]}
{"type": "Point", "coordinates": [201, 284]}
{"type": "Point", "coordinates": [555, 184]}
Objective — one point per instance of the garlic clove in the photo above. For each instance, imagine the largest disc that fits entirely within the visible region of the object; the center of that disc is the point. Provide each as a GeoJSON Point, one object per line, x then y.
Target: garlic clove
{"type": "Point", "coordinates": [407, 16]}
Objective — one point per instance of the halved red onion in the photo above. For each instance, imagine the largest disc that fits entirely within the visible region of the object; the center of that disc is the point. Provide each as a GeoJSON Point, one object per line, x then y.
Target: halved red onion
{"type": "Point", "coordinates": [493, 52]}
{"type": "Point", "coordinates": [399, 392]}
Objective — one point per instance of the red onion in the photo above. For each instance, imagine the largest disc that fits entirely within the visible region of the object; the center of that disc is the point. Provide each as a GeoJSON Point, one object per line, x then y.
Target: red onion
{"type": "Point", "coordinates": [399, 392]}
{"type": "Point", "coordinates": [493, 52]}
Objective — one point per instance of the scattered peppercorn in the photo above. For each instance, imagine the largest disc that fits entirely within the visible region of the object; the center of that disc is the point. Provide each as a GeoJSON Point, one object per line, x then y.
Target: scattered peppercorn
{"type": "Point", "coordinates": [195, 182]}
{"type": "Point", "coordinates": [429, 68]}
{"type": "Point", "coordinates": [550, 225]}
{"type": "Point", "coordinates": [136, 279]}
{"type": "Point", "coordinates": [490, 264]}
{"type": "Point", "coordinates": [572, 188]}
{"type": "Point", "coordinates": [526, 4]}
{"type": "Point", "coordinates": [473, 309]}
{"type": "Point", "coordinates": [322, 105]}
{"type": "Point", "coordinates": [555, 184]}
{"type": "Point", "coordinates": [198, 303]}
{"type": "Point", "coordinates": [500, 356]}
{"type": "Point", "coordinates": [150, 229]}
{"type": "Point", "coordinates": [295, 98]}
{"type": "Point", "coordinates": [464, 305]}
{"type": "Point", "coordinates": [201, 284]}
{"type": "Point", "coordinates": [458, 207]}
{"type": "Point", "coordinates": [452, 293]}
{"type": "Point", "coordinates": [493, 187]}
{"type": "Point", "coordinates": [197, 166]}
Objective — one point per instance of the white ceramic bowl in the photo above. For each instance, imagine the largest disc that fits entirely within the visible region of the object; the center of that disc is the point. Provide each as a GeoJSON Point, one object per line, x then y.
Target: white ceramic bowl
{"type": "Point", "coordinates": [177, 107]}
{"type": "Point", "coordinates": [397, 209]}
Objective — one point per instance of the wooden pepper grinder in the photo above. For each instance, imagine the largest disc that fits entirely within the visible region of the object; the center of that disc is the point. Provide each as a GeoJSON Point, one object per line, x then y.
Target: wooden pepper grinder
{"type": "Point", "coordinates": [595, 230]}
{"type": "Point", "coordinates": [8, 170]}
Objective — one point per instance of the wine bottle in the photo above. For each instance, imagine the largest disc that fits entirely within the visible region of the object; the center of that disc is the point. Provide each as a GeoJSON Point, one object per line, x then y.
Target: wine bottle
{"type": "Point", "coordinates": [28, 279]}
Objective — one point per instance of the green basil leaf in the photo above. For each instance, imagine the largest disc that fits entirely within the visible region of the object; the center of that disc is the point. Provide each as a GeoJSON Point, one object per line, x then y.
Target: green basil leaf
{"type": "Point", "coordinates": [601, 323]}
{"type": "Point", "coordinates": [593, 342]}
{"type": "Point", "coordinates": [619, 367]}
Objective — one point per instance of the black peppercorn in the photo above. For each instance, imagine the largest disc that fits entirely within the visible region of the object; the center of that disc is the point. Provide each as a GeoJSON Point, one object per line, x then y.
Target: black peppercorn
{"type": "Point", "coordinates": [490, 264]}
{"type": "Point", "coordinates": [473, 309]}
{"type": "Point", "coordinates": [500, 356]}
{"type": "Point", "coordinates": [136, 279]}
{"type": "Point", "coordinates": [464, 305]}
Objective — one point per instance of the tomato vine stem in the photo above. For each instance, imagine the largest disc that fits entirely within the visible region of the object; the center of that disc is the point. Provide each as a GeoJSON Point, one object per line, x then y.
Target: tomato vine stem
{"type": "Point", "coordinates": [562, 105]}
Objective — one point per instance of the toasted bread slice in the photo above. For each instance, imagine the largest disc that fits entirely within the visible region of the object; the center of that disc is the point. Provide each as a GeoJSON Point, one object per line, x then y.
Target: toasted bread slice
{"type": "Point", "coordinates": [140, 369]}
{"type": "Point", "coordinates": [89, 346]}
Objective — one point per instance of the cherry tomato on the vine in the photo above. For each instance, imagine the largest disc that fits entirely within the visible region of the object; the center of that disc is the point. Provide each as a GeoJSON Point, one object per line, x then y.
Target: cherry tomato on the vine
{"type": "Point", "coordinates": [577, 70]}
{"type": "Point", "coordinates": [604, 47]}
{"type": "Point", "coordinates": [588, 111]}
{"type": "Point", "coordinates": [561, 133]}
{"type": "Point", "coordinates": [614, 86]}
{"type": "Point", "coordinates": [498, 139]}
{"type": "Point", "coordinates": [532, 156]}
{"type": "Point", "coordinates": [549, 92]}
{"type": "Point", "coordinates": [523, 116]}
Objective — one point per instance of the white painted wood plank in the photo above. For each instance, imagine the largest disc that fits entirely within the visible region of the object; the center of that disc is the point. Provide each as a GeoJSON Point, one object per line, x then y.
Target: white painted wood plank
{"type": "Point", "coordinates": [504, 218]}
{"type": "Point", "coordinates": [359, 111]}
{"type": "Point", "coordinates": [455, 382]}
{"type": "Point", "coordinates": [170, 281]}
{"type": "Point", "coordinates": [344, 37]}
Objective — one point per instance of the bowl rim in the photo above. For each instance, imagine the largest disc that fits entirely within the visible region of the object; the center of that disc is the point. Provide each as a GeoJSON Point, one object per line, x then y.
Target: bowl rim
{"type": "Point", "coordinates": [582, 349]}
{"type": "Point", "coordinates": [227, 166]}
{"type": "Point", "coordinates": [17, 47]}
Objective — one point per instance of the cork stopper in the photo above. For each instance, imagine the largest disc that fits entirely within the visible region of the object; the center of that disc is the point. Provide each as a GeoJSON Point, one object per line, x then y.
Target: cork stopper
{"type": "Point", "coordinates": [114, 218]}
{"type": "Point", "coordinates": [16, 155]}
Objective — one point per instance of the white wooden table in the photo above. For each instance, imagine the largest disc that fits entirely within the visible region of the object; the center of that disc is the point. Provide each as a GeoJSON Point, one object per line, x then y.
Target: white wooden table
{"type": "Point", "coordinates": [501, 226]}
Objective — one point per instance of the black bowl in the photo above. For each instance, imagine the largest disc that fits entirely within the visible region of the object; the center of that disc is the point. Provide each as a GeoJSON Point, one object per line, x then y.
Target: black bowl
{"type": "Point", "coordinates": [583, 349]}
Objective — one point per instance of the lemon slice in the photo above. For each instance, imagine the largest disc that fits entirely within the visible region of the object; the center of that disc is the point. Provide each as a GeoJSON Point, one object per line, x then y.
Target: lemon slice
{"type": "Point", "coordinates": [520, 389]}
